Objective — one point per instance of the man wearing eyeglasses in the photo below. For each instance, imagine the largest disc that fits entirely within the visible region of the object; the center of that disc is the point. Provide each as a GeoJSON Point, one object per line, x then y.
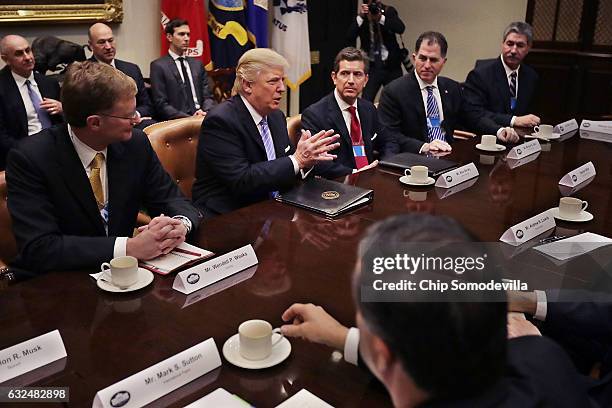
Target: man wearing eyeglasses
{"type": "Point", "coordinates": [76, 189]}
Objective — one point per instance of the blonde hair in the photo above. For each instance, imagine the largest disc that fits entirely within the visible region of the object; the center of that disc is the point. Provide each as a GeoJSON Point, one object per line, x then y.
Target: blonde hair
{"type": "Point", "coordinates": [255, 61]}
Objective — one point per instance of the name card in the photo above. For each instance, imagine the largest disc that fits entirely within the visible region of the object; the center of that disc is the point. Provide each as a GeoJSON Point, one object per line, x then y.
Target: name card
{"type": "Point", "coordinates": [30, 355]}
{"type": "Point", "coordinates": [525, 149]}
{"type": "Point", "coordinates": [304, 399]}
{"type": "Point", "coordinates": [598, 136]}
{"type": "Point", "coordinates": [514, 163]}
{"type": "Point", "coordinates": [162, 378]}
{"type": "Point", "coordinates": [443, 193]}
{"type": "Point", "coordinates": [528, 229]}
{"type": "Point", "coordinates": [212, 271]}
{"type": "Point", "coordinates": [219, 398]}
{"type": "Point", "coordinates": [566, 127]}
{"type": "Point", "coordinates": [457, 176]}
{"type": "Point", "coordinates": [600, 126]}
{"type": "Point", "coordinates": [580, 175]}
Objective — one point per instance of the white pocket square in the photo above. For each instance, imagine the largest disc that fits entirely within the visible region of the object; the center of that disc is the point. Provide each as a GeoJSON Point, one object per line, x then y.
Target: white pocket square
{"type": "Point", "coordinates": [375, 136]}
{"type": "Point", "coordinates": [287, 148]}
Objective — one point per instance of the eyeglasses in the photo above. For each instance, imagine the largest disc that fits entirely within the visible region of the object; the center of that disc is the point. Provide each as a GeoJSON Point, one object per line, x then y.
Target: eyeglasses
{"type": "Point", "coordinates": [135, 116]}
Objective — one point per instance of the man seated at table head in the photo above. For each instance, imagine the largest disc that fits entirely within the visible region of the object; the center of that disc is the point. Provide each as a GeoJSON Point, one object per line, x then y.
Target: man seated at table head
{"type": "Point", "coordinates": [354, 118]}
{"type": "Point", "coordinates": [244, 154]}
{"type": "Point", "coordinates": [103, 44]}
{"type": "Point", "coordinates": [178, 81]}
{"type": "Point", "coordinates": [30, 101]}
{"type": "Point", "coordinates": [498, 92]}
{"type": "Point", "coordinates": [438, 349]}
{"type": "Point", "coordinates": [76, 189]}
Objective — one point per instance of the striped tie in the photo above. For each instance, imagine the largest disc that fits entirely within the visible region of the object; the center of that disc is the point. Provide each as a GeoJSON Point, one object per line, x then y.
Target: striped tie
{"type": "Point", "coordinates": [268, 145]}
{"type": "Point", "coordinates": [433, 132]}
{"type": "Point", "coordinates": [513, 84]}
{"type": "Point", "coordinates": [95, 180]}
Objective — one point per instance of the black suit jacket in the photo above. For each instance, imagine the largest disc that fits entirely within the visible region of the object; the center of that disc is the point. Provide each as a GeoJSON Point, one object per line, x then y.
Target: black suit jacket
{"type": "Point", "coordinates": [325, 114]}
{"type": "Point", "coordinates": [401, 110]}
{"type": "Point", "coordinates": [487, 95]}
{"type": "Point", "coordinates": [54, 213]}
{"type": "Point", "coordinates": [169, 91]}
{"type": "Point", "coordinates": [13, 117]}
{"type": "Point", "coordinates": [232, 169]}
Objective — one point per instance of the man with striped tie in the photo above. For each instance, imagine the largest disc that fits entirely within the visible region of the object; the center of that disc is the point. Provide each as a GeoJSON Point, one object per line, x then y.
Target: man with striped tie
{"type": "Point", "coordinates": [422, 108]}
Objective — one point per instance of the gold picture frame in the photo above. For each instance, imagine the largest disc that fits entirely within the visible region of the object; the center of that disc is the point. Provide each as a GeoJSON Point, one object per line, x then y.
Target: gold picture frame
{"type": "Point", "coordinates": [62, 11]}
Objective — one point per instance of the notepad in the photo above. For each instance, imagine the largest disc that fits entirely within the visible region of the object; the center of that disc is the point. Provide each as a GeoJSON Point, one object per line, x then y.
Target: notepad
{"type": "Point", "coordinates": [183, 255]}
{"type": "Point", "coordinates": [574, 246]}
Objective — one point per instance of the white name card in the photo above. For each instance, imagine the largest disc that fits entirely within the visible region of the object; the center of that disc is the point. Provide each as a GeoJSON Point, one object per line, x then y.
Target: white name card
{"type": "Point", "coordinates": [212, 271]}
{"type": "Point", "coordinates": [525, 149]}
{"type": "Point", "coordinates": [580, 175]}
{"type": "Point", "coordinates": [514, 163]}
{"type": "Point", "coordinates": [162, 378]}
{"type": "Point", "coordinates": [219, 398]}
{"type": "Point", "coordinates": [528, 229]}
{"type": "Point", "coordinates": [566, 127]}
{"type": "Point", "coordinates": [30, 355]}
{"type": "Point", "coordinates": [304, 399]}
{"type": "Point", "coordinates": [600, 126]}
{"type": "Point", "coordinates": [457, 176]}
{"type": "Point", "coordinates": [598, 136]}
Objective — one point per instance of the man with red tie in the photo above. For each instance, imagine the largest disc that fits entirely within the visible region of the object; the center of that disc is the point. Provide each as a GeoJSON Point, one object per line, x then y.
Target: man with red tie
{"type": "Point", "coordinates": [353, 118]}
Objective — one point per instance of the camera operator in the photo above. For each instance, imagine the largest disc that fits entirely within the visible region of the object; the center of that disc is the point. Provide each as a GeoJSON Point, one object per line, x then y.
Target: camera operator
{"type": "Point", "coordinates": [377, 25]}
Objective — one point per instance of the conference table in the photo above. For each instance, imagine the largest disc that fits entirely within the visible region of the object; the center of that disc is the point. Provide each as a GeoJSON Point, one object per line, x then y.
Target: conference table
{"type": "Point", "coordinates": [302, 257]}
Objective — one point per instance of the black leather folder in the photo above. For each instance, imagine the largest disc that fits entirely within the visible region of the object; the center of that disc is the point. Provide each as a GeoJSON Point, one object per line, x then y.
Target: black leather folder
{"type": "Point", "coordinates": [406, 160]}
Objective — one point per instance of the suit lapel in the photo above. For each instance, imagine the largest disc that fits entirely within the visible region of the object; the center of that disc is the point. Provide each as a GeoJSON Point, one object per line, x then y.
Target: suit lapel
{"type": "Point", "coordinates": [334, 115]}
{"type": "Point", "coordinates": [195, 72]}
{"type": "Point", "coordinates": [45, 90]}
{"type": "Point", "coordinates": [417, 97]}
{"type": "Point", "coordinates": [277, 130]}
{"type": "Point", "coordinates": [366, 128]}
{"type": "Point", "coordinates": [116, 169]}
{"type": "Point", "coordinates": [249, 125]}
{"type": "Point", "coordinates": [501, 80]}
{"type": "Point", "coordinates": [12, 94]}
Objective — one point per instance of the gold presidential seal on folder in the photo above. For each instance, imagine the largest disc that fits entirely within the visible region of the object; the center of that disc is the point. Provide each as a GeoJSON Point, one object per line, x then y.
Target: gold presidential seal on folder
{"type": "Point", "coordinates": [330, 195]}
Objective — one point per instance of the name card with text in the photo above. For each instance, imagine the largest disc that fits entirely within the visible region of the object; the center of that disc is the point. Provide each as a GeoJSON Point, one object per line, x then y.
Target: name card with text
{"type": "Point", "coordinates": [566, 127]}
{"type": "Point", "coordinates": [528, 229]}
{"type": "Point", "coordinates": [212, 271]}
{"type": "Point", "coordinates": [30, 355]}
{"type": "Point", "coordinates": [579, 175]}
{"type": "Point", "coordinates": [457, 176]}
{"type": "Point", "coordinates": [525, 149]}
{"type": "Point", "coordinates": [600, 126]}
{"type": "Point", "coordinates": [162, 378]}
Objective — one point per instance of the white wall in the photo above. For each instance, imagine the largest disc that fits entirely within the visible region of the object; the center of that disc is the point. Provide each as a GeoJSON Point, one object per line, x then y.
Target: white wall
{"type": "Point", "coordinates": [473, 28]}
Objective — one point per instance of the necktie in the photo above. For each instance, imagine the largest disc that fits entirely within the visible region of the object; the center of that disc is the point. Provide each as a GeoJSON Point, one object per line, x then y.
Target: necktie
{"type": "Point", "coordinates": [43, 115]}
{"type": "Point", "coordinates": [357, 140]}
{"type": "Point", "coordinates": [434, 131]}
{"type": "Point", "coordinates": [268, 145]}
{"type": "Point", "coordinates": [95, 180]}
{"type": "Point", "coordinates": [187, 85]}
{"type": "Point", "coordinates": [513, 84]}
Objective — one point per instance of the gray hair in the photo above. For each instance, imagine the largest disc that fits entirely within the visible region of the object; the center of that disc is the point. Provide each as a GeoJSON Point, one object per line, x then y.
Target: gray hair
{"type": "Point", "coordinates": [521, 28]}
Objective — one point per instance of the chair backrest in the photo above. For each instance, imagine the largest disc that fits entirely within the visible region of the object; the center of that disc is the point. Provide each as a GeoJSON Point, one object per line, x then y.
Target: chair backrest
{"type": "Point", "coordinates": [8, 246]}
{"type": "Point", "coordinates": [294, 127]}
{"type": "Point", "coordinates": [176, 144]}
{"type": "Point", "coordinates": [223, 81]}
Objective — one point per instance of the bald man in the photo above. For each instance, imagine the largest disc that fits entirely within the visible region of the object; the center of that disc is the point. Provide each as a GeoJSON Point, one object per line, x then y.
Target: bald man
{"type": "Point", "coordinates": [30, 101]}
{"type": "Point", "coordinates": [103, 44]}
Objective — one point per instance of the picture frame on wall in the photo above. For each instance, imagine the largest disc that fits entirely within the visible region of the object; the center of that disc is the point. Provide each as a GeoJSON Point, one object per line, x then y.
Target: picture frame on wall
{"type": "Point", "coordinates": [60, 11]}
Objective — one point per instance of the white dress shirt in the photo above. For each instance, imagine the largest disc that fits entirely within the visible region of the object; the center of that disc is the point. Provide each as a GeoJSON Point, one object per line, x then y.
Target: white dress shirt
{"type": "Point", "coordinates": [34, 125]}
{"type": "Point", "coordinates": [180, 71]}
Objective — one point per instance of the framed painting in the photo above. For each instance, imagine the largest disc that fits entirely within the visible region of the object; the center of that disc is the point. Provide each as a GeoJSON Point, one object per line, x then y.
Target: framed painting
{"type": "Point", "coordinates": [60, 11]}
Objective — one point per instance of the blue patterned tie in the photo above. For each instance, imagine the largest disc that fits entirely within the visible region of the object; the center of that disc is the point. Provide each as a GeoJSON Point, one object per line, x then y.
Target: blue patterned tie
{"type": "Point", "coordinates": [433, 132]}
{"type": "Point", "coordinates": [513, 84]}
{"type": "Point", "coordinates": [268, 145]}
{"type": "Point", "coordinates": [43, 115]}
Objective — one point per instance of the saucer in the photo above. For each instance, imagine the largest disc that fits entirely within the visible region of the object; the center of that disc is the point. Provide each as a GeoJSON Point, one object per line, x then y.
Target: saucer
{"type": "Point", "coordinates": [145, 277]}
{"type": "Point", "coordinates": [583, 216]}
{"type": "Point", "coordinates": [407, 180]}
{"type": "Point", "coordinates": [280, 352]}
{"type": "Point", "coordinates": [537, 136]}
{"type": "Point", "coordinates": [497, 148]}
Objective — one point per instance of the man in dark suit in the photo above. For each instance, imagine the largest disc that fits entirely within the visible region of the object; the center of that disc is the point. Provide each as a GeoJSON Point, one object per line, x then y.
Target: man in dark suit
{"type": "Point", "coordinates": [353, 118]}
{"type": "Point", "coordinates": [431, 349]}
{"type": "Point", "coordinates": [498, 92]}
{"type": "Point", "coordinates": [179, 82]}
{"type": "Point", "coordinates": [244, 154]}
{"type": "Point", "coordinates": [376, 25]}
{"type": "Point", "coordinates": [76, 189]}
{"type": "Point", "coordinates": [104, 47]}
{"type": "Point", "coordinates": [29, 101]}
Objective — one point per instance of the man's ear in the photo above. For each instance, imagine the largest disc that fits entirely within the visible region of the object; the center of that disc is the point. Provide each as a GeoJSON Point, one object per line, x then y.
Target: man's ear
{"type": "Point", "coordinates": [247, 87]}
{"type": "Point", "coordinates": [169, 37]}
{"type": "Point", "coordinates": [382, 356]}
{"type": "Point", "coordinates": [93, 122]}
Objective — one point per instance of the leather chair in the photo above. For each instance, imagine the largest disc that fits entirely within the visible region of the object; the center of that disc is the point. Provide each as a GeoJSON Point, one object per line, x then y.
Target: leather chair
{"type": "Point", "coordinates": [8, 245]}
{"type": "Point", "coordinates": [223, 81]}
{"type": "Point", "coordinates": [294, 127]}
{"type": "Point", "coordinates": [176, 142]}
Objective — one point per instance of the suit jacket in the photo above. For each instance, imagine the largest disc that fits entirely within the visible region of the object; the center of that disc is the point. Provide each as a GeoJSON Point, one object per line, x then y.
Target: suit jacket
{"type": "Point", "coordinates": [401, 110]}
{"type": "Point", "coordinates": [487, 95]}
{"type": "Point", "coordinates": [325, 114]}
{"type": "Point", "coordinates": [232, 169]}
{"type": "Point", "coordinates": [143, 102]}
{"type": "Point", "coordinates": [55, 218]}
{"type": "Point", "coordinates": [169, 91]}
{"type": "Point", "coordinates": [393, 25]}
{"type": "Point", "coordinates": [13, 117]}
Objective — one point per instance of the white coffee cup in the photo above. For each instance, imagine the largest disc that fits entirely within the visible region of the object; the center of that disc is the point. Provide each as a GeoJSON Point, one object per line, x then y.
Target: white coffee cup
{"type": "Point", "coordinates": [488, 141]}
{"type": "Point", "coordinates": [570, 207]}
{"type": "Point", "coordinates": [123, 270]}
{"type": "Point", "coordinates": [543, 130]}
{"type": "Point", "coordinates": [417, 174]}
{"type": "Point", "coordinates": [256, 339]}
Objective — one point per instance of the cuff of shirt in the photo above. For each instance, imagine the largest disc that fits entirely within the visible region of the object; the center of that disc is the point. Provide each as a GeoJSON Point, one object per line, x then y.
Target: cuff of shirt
{"type": "Point", "coordinates": [359, 21]}
{"type": "Point", "coordinates": [512, 121]}
{"type": "Point", "coordinates": [120, 248]}
{"type": "Point", "coordinates": [351, 346]}
{"type": "Point", "coordinates": [421, 149]}
{"type": "Point", "coordinates": [296, 166]}
{"type": "Point", "coordinates": [186, 222]}
{"type": "Point", "coordinates": [499, 131]}
{"type": "Point", "coordinates": [541, 305]}
{"type": "Point", "coordinates": [382, 20]}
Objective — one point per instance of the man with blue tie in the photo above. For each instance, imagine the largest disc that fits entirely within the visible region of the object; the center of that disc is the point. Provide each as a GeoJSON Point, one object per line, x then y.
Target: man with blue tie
{"type": "Point", "coordinates": [29, 100]}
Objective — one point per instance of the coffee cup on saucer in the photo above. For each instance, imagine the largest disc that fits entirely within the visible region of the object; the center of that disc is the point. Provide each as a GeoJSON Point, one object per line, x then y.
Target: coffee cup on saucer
{"type": "Point", "coordinates": [417, 174]}
{"type": "Point", "coordinates": [255, 337]}
{"type": "Point", "coordinates": [488, 142]}
{"type": "Point", "coordinates": [545, 131]}
{"type": "Point", "coordinates": [123, 271]}
{"type": "Point", "coordinates": [571, 208]}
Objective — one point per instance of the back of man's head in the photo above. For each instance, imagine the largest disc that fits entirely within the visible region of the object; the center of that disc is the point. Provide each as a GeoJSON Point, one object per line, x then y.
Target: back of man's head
{"type": "Point", "coordinates": [450, 348]}
{"type": "Point", "coordinates": [90, 88]}
{"type": "Point", "coordinates": [253, 62]}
